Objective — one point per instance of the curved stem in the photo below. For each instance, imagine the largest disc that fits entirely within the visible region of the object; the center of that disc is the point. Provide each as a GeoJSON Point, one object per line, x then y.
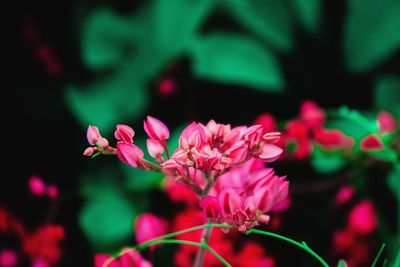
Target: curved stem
{"type": "Point", "coordinates": [302, 245]}
{"type": "Point", "coordinates": [199, 261]}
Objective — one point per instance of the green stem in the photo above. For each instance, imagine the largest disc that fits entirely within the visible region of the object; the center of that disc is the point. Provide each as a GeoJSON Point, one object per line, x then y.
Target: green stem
{"type": "Point", "coordinates": [302, 245]}
{"type": "Point", "coordinates": [378, 255]}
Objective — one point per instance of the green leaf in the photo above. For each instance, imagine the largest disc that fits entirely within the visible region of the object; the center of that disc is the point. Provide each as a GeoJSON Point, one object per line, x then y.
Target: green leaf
{"type": "Point", "coordinates": [177, 21]}
{"type": "Point", "coordinates": [108, 101]}
{"type": "Point", "coordinates": [371, 33]}
{"type": "Point", "coordinates": [236, 59]}
{"type": "Point", "coordinates": [106, 39]}
{"type": "Point", "coordinates": [342, 263]}
{"type": "Point", "coordinates": [387, 94]}
{"type": "Point", "coordinates": [393, 181]}
{"type": "Point", "coordinates": [309, 13]}
{"type": "Point", "coordinates": [268, 19]}
{"type": "Point", "coordinates": [326, 161]}
{"type": "Point", "coordinates": [107, 219]}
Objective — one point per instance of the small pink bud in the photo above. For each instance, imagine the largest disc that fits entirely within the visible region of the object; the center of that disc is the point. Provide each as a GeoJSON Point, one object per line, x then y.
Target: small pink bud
{"type": "Point", "coordinates": [52, 191]}
{"type": "Point", "coordinates": [362, 219]}
{"type": "Point", "coordinates": [8, 258]}
{"type": "Point", "coordinates": [155, 148]}
{"type": "Point", "coordinates": [148, 226]}
{"type": "Point", "coordinates": [89, 151]}
{"type": "Point", "coordinates": [129, 154]}
{"type": "Point", "coordinates": [371, 142]}
{"type": "Point", "coordinates": [344, 194]}
{"type": "Point", "coordinates": [37, 186]}
{"type": "Point", "coordinates": [93, 135]}
{"type": "Point", "coordinates": [124, 133]}
{"type": "Point", "coordinates": [386, 122]}
{"type": "Point", "coordinates": [156, 129]}
{"type": "Point", "coordinates": [270, 152]}
{"type": "Point", "coordinates": [40, 263]}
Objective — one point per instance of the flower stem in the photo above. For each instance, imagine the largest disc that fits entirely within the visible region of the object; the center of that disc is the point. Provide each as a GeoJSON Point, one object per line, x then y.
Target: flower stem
{"type": "Point", "coordinates": [199, 261]}
{"type": "Point", "coordinates": [301, 245]}
{"type": "Point", "coordinates": [378, 255]}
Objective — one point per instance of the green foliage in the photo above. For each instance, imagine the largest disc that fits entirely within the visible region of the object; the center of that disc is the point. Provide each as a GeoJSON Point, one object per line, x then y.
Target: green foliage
{"type": "Point", "coordinates": [371, 32]}
{"type": "Point", "coordinates": [393, 181]}
{"type": "Point", "coordinates": [268, 19]}
{"type": "Point", "coordinates": [309, 13]}
{"type": "Point", "coordinates": [236, 59]}
{"type": "Point", "coordinates": [342, 263]}
{"type": "Point", "coordinates": [107, 218]}
{"type": "Point", "coordinates": [326, 161]}
{"type": "Point", "coordinates": [387, 94]}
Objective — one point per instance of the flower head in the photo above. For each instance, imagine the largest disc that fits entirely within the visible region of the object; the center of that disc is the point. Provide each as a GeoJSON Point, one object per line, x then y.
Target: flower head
{"type": "Point", "coordinates": [156, 129]}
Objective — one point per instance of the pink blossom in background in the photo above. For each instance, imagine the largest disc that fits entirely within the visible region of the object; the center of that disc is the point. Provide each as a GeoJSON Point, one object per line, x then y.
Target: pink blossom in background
{"type": "Point", "coordinates": [267, 121]}
{"type": "Point", "coordinates": [312, 114]}
{"type": "Point", "coordinates": [362, 218]}
{"type": "Point", "coordinates": [148, 226]}
{"type": "Point", "coordinates": [332, 139]}
{"type": "Point", "coordinates": [167, 86]}
{"type": "Point", "coordinates": [386, 122]}
{"type": "Point", "coordinates": [37, 186]}
{"type": "Point", "coordinates": [129, 258]}
{"type": "Point", "coordinates": [344, 194]}
{"type": "Point", "coordinates": [8, 258]}
{"type": "Point", "coordinates": [52, 191]}
{"type": "Point", "coordinates": [371, 142]}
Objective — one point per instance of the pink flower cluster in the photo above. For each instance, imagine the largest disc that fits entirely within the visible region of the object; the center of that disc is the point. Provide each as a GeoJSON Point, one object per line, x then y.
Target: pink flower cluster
{"type": "Point", "coordinates": [243, 196]}
{"type": "Point", "coordinates": [207, 151]}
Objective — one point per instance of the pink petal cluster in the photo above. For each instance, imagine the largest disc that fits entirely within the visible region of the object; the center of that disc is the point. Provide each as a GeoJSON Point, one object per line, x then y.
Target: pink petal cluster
{"type": "Point", "coordinates": [207, 151]}
{"type": "Point", "coordinates": [98, 143]}
{"type": "Point", "coordinates": [129, 258]}
{"type": "Point", "coordinates": [386, 122]}
{"type": "Point", "coordinates": [245, 195]}
{"type": "Point", "coordinates": [8, 258]}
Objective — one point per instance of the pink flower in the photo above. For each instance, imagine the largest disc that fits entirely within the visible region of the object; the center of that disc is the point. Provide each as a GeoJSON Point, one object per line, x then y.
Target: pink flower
{"type": "Point", "coordinates": [312, 114]}
{"type": "Point", "coordinates": [156, 129]}
{"type": "Point", "coordinates": [362, 219]}
{"type": "Point", "coordinates": [37, 186]}
{"type": "Point", "coordinates": [99, 143]}
{"type": "Point", "coordinates": [244, 195]}
{"type": "Point", "coordinates": [155, 149]}
{"type": "Point", "coordinates": [371, 142]}
{"type": "Point", "coordinates": [386, 122]}
{"type": "Point", "coordinates": [8, 258]}
{"type": "Point", "coordinates": [167, 86]}
{"type": "Point", "coordinates": [148, 226]}
{"type": "Point", "coordinates": [130, 154]}
{"type": "Point", "coordinates": [270, 152]}
{"type": "Point", "coordinates": [124, 133]}
{"type": "Point", "coordinates": [94, 137]}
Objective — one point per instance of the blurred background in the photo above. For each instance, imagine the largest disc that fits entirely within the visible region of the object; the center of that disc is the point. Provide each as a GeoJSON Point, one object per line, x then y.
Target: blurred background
{"type": "Point", "coordinates": [80, 63]}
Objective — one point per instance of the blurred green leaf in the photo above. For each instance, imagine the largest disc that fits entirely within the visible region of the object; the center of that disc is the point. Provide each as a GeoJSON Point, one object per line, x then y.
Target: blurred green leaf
{"type": "Point", "coordinates": [268, 19]}
{"type": "Point", "coordinates": [342, 263]}
{"type": "Point", "coordinates": [326, 162]}
{"type": "Point", "coordinates": [236, 59]}
{"type": "Point", "coordinates": [177, 21]}
{"type": "Point", "coordinates": [393, 181]}
{"type": "Point", "coordinates": [387, 94]}
{"type": "Point", "coordinates": [108, 100]}
{"type": "Point", "coordinates": [106, 39]}
{"type": "Point", "coordinates": [107, 219]}
{"type": "Point", "coordinates": [309, 13]}
{"type": "Point", "coordinates": [371, 32]}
